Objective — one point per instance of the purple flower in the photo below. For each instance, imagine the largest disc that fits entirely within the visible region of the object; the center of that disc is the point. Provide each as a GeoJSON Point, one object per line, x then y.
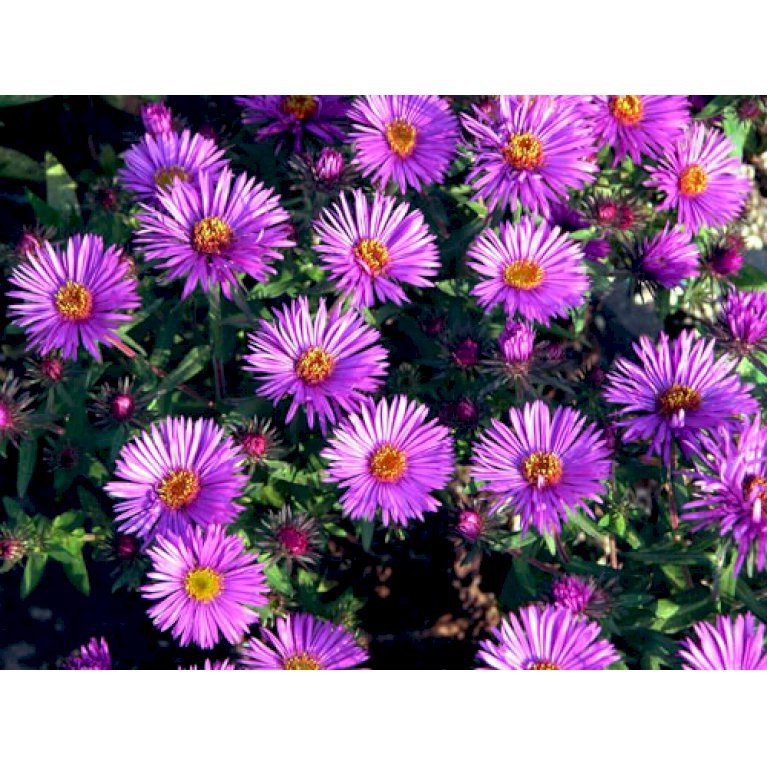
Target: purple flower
{"type": "Point", "coordinates": [213, 665]}
{"type": "Point", "coordinates": [516, 342]}
{"type": "Point", "coordinates": [533, 270]}
{"type": "Point", "coordinates": [637, 125]}
{"type": "Point", "coordinates": [701, 178]}
{"type": "Point", "coordinates": [321, 116]}
{"type": "Point", "coordinates": [14, 415]}
{"type": "Point", "coordinates": [729, 645]}
{"type": "Point", "coordinates": [157, 161]}
{"type": "Point", "coordinates": [743, 321]}
{"type": "Point", "coordinates": [372, 249]}
{"type": "Point", "coordinates": [205, 585]}
{"type": "Point", "coordinates": [180, 473]}
{"type": "Point", "coordinates": [210, 234]}
{"type": "Point", "coordinates": [669, 257]}
{"type": "Point", "coordinates": [544, 467]}
{"type": "Point", "coordinates": [328, 165]}
{"type": "Point", "coordinates": [410, 140]}
{"type": "Point", "coordinates": [303, 643]}
{"type": "Point", "coordinates": [389, 457]}
{"type": "Point", "coordinates": [537, 150]}
{"type": "Point", "coordinates": [93, 656]}
{"type": "Point", "coordinates": [76, 295]}
{"type": "Point", "coordinates": [157, 118]}
{"type": "Point", "coordinates": [547, 638]}
{"type": "Point", "coordinates": [731, 488]}
{"type": "Point", "coordinates": [677, 391]}
{"type": "Point", "coordinates": [579, 595]}
{"type": "Point", "coordinates": [327, 363]}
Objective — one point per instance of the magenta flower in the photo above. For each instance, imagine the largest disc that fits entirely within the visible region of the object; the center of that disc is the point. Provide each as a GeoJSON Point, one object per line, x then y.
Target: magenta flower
{"type": "Point", "coordinates": [389, 457]}
{"type": "Point", "coordinates": [535, 271]}
{"type": "Point", "coordinates": [669, 257]}
{"type": "Point", "coordinates": [372, 249]}
{"type": "Point", "coordinates": [517, 343]}
{"type": "Point", "coordinates": [579, 595]}
{"type": "Point", "coordinates": [205, 586]}
{"type": "Point", "coordinates": [157, 118]}
{"type": "Point", "coordinates": [743, 321]}
{"type": "Point", "coordinates": [545, 467]}
{"type": "Point", "coordinates": [410, 140]}
{"type": "Point", "coordinates": [180, 473]}
{"type": "Point", "coordinates": [729, 645]}
{"type": "Point", "coordinates": [93, 656]}
{"type": "Point", "coordinates": [303, 643]}
{"type": "Point", "coordinates": [210, 234]}
{"type": "Point", "coordinates": [701, 178]}
{"type": "Point", "coordinates": [213, 665]}
{"type": "Point", "coordinates": [327, 363]}
{"type": "Point", "coordinates": [76, 295]}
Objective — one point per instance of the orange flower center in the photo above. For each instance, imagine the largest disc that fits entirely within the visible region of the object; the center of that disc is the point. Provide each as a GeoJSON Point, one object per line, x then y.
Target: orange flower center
{"type": "Point", "coordinates": [74, 301]}
{"type": "Point", "coordinates": [301, 662]}
{"type": "Point", "coordinates": [693, 181]}
{"type": "Point", "coordinates": [542, 469]}
{"type": "Point", "coordinates": [542, 665]}
{"type": "Point", "coordinates": [179, 488]}
{"type": "Point", "coordinates": [373, 254]}
{"type": "Point", "coordinates": [388, 463]}
{"type": "Point", "coordinates": [203, 584]}
{"type": "Point", "coordinates": [401, 137]}
{"type": "Point", "coordinates": [301, 107]}
{"type": "Point", "coordinates": [523, 274]}
{"type": "Point", "coordinates": [314, 366]}
{"type": "Point", "coordinates": [679, 397]}
{"type": "Point", "coordinates": [758, 484]}
{"type": "Point", "coordinates": [164, 177]}
{"type": "Point", "coordinates": [627, 110]}
{"type": "Point", "coordinates": [211, 236]}
{"type": "Point", "coordinates": [523, 151]}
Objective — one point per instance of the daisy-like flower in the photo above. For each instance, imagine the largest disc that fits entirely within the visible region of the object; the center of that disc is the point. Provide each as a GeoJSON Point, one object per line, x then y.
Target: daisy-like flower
{"type": "Point", "coordinates": [546, 467]}
{"type": "Point", "coordinates": [180, 473]}
{"type": "Point", "coordinates": [76, 295]}
{"type": "Point", "coordinates": [534, 270]}
{"type": "Point", "coordinates": [321, 116]}
{"type": "Point", "coordinates": [372, 249]}
{"type": "Point", "coordinates": [731, 488]}
{"type": "Point", "coordinates": [410, 140]}
{"type": "Point", "coordinates": [669, 257]}
{"type": "Point", "coordinates": [303, 643]}
{"type": "Point", "coordinates": [93, 656]}
{"type": "Point", "coordinates": [701, 179]}
{"type": "Point", "coordinates": [742, 322]}
{"type": "Point", "coordinates": [205, 584]}
{"type": "Point", "coordinates": [390, 457]}
{"type": "Point", "coordinates": [517, 345]}
{"type": "Point", "coordinates": [637, 125]}
{"type": "Point", "coordinates": [534, 154]}
{"type": "Point", "coordinates": [327, 363]}
{"type": "Point", "coordinates": [157, 161]}
{"type": "Point", "coordinates": [580, 595]}
{"type": "Point", "coordinates": [210, 234]}
{"type": "Point", "coordinates": [678, 390]}
{"type": "Point", "coordinates": [213, 665]}
{"type": "Point", "coordinates": [14, 418]}
{"type": "Point", "coordinates": [727, 645]}
{"type": "Point", "coordinates": [547, 638]}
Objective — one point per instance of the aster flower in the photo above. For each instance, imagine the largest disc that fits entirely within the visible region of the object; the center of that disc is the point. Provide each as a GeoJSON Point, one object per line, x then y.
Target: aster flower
{"type": "Point", "coordinates": [390, 457]}
{"type": "Point", "coordinates": [72, 296]}
{"type": "Point", "coordinates": [155, 163]}
{"type": "Point", "coordinates": [290, 536]}
{"type": "Point", "coordinates": [303, 643]}
{"type": "Point", "coordinates": [118, 404]}
{"type": "Point", "coordinates": [727, 645]}
{"type": "Point", "coordinates": [258, 440]}
{"type": "Point", "coordinates": [410, 140]}
{"type": "Point", "coordinates": [516, 344]}
{"type": "Point", "coordinates": [327, 362]}
{"type": "Point", "coordinates": [205, 585]}
{"type": "Point", "coordinates": [581, 596]}
{"type": "Point", "coordinates": [93, 656]}
{"type": "Point", "coordinates": [213, 665]}
{"type": "Point", "coordinates": [612, 212]}
{"type": "Point", "coordinates": [677, 391]}
{"type": "Point", "coordinates": [472, 524]}
{"type": "Point", "coordinates": [534, 154]}
{"type": "Point", "coordinates": [730, 480]}
{"type": "Point", "coordinates": [211, 234]}
{"type": "Point", "coordinates": [157, 118]}
{"type": "Point", "coordinates": [14, 544]}
{"type": "Point", "coordinates": [14, 418]}
{"type": "Point", "coordinates": [724, 258]}
{"type": "Point", "coordinates": [637, 125]}
{"type": "Point", "coordinates": [326, 172]}
{"type": "Point", "coordinates": [547, 638]}
{"type": "Point", "coordinates": [742, 324]}
{"type": "Point", "coordinates": [546, 467]}
{"type": "Point", "coordinates": [668, 258]}
{"type": "Point", "coordinates": [321, 116]}
{"type": "Point", "coordinates": [180, 473]}
{"type": "Point", "coordinates": [701, 179]}
{"type": "Point", "coordinates": [372, 249]}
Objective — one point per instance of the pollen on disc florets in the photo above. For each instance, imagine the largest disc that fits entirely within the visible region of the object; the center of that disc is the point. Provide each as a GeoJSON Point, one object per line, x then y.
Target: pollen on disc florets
{"type": "Point", "coordinates": [401, 135]}
{"type": "Point", "coordinates": [203, 584]}
{"type": "Point", "coordinates": [388, 463]}
{"type": "Point", "coordinates": [314, 366]}
{"type": "Point", "coordinates": [211, 236]}
{"type": "Point", "coordinates": [679, 397]}
{"type": "Point", "coordinates": [523, 274]}
{"type": "Point", "coordinates": [179, 488]}
{"type": "Point", "coordinates": [74, 301]}
{"type": "Point", "coordinates": [373, 254]}
{"type": "Point", "coordinates": [627, 110]}
{"type": "Point", "coordinates": [523, 151]}
{"type": "Point", "coordinates": [542, 469]}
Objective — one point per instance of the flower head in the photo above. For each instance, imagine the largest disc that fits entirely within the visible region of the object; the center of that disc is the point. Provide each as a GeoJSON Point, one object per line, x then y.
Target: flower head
{"type": "Point", "coordinates": [517, 343]}
{"type": "Point", "coordinates": [728, 645]}
{"type": "Point", "coordinates": [290, 536]}
{"type": "Point", "coordinates": [580, 595]}
{"type": "Point", "coordinates": [93, 656]}
{"type": "Point", "coordinates": [258, 440]}
{"type": "Point", "coordinates": [669, 257]}
{"type": "Point", "coordinates": [742, 322]}
{"type": "Point", "coordinates": [14, 404]}
{"type": "Point", "coordinates": [157, 118]}
{"type": "Point", "coordinates": [214, 665]}
{"type": "Point", "coordinates": [118, 404]}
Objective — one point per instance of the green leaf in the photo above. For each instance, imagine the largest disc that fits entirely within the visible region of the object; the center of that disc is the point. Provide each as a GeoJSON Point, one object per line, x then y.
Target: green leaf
{"type": "Point", "coordinates": [188, 368]}
{"type": "Point", "coordinates": [277, 580]}
{"type": "Point", "coordinates": [61, 192]}
{"type": "Point", "coordinates": [366, 528]}
{"type": "Point", "coordinates": [27, 458]}
{"type": "Point", "coordinates": [17, 101]}
{"type": "Point", "coordinates": [17, 165]}
{"type": "Point", "coordinates": [77, 573]}
{"type": "Point", "coordinates": [33, 571]}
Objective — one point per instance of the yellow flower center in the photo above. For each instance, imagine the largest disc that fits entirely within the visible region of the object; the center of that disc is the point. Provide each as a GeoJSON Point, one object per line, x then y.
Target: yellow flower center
{"type": "Point", "coordinates": [301, 107]}
{"type": "Point", "coordinates": [164, 177]}
{"type": "Point", "coordinates": [401, 136]}
{"type": "Point", "coordinates": [758, 484]}
{"type": "Point", "coordinates": [373, 254]}
{"type": "Point", "coordinates": [523, 274]}
{"type": "Point", "coordinates": [179, 488]}
{"type": "Point", "coordinates": [542, 665]}
{"type": "Point", "coordinates": [314, 366]}
{"type": "Point", "coordinates": [627, 110]}
{"type": "Point", "coordinates": [679, 397]}
{"type": "Point", "coordinates": [523, 151]}
{"type": "Point", "coordinates": [203, 584]}
{"type": "Point", "coordinates": [693, 181]}
{"type": "Point", "coordinates": [542, 469]}
{"type": "Point", "coordinates": [301, 662]}
{"type": "Point", "coordinates": [211, 236]}
{"type": "Point", "coordinates": [388, 463]}
{"type": "Point", "coordinates": [74, 301]}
